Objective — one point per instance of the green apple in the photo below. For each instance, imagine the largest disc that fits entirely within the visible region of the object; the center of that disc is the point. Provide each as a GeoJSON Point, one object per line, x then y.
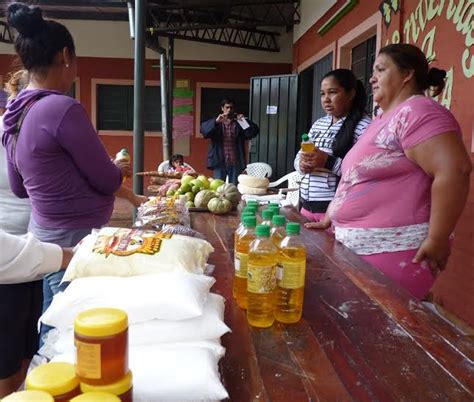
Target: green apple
{"type": "Point", "coordinates": [187, 179]}
{"type": "Point", "coordinates": [195, 189]}
{"type": "Point", "coordinates": [190, 196]}
{"type": "Point", "coordinates": [170, 193]}
{"type": "Point", "coordinates": [216, 183]}
{"type": "Point", "coordinates": [204, 181]}
{"type": "Point", "coordinates": [185, 188]}
{"type": "Point", "coordinates": [189, 204]}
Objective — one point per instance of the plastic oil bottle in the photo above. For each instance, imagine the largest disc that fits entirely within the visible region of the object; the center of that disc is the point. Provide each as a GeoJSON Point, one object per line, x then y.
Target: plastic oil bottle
{"type": "Point", "coordinates": [277, 231]}
{"type": "Point", "coordinates": [247, 236]}
{"type": "Point", "coordinates": [267, 215]}
{"type": "Point", "coordinates": [261, 279]}
{"type": "Point", "coordinates": [290, 276]}
{"type": "Point", "coordinates": [306, 144]}
{"type": "Point", "coordinates": [241, 226]}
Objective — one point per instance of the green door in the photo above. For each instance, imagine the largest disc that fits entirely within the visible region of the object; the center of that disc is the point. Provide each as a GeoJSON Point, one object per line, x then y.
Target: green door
{"type": "Point", "coordinates": [273, 107]}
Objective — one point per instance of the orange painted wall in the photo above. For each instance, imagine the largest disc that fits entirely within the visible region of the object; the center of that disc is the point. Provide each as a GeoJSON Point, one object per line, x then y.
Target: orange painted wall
{"type": "Point", "coordinates": [110, 68]}
{"type": "Point", "coordinates": [454, 288]}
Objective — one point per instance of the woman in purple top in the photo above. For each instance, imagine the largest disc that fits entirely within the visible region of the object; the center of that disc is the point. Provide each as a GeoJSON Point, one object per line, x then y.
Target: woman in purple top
{"type": "Point", "coordinates": [55, 156]}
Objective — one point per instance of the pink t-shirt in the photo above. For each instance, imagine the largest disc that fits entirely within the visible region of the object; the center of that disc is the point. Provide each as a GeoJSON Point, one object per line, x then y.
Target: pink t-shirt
{"type": "Point", "coordinates": [380, 187]}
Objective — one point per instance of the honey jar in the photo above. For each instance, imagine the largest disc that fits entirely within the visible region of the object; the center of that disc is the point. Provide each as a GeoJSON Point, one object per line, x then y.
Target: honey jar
{"type": "Point", "coordinates": [122, 388]}
{"type": "Point", "coordinates": [29, 396]}
{"type": "Point", "coordinates": [57, 379]}
{"type": "Point", "coordinates": [101, 339]}
{"type": "Point", "coordinates": [96, 397]}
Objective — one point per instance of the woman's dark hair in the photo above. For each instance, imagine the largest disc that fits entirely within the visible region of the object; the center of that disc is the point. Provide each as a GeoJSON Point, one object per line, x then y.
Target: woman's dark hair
{"type": "Point", "coordinates": [345, 136]}
{"type": "Point", "coordinates": [38, 40]}
{"type": "Point", "coordinates": [410, 57]}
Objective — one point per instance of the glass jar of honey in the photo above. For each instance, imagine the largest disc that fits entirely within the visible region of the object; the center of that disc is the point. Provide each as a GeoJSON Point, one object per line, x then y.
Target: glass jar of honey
{"type": "Point", "coordinates": [96, 397]}
{"type": "Point", "coordinates": [101, 339]}
{"type": "Point", "coordinates": [57, 379]}
{"type": "Point", "coordinates": [122, 388]}
{"type": "Point", "coordinates": [29, 396]}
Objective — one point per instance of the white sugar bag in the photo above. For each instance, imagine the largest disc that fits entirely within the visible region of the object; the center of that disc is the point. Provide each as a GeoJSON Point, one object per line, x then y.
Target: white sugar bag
{"type": "Point", "coordinates": [185, 371]}
{"type": "Point", "coordinates": [175, 296]}
{"type": "Point", "coordinates": [209, 325]}
{"type": "Point", "coordinates": [129, 252]}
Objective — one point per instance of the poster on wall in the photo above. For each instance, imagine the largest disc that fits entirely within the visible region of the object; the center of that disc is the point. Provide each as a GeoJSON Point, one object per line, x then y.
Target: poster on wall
{"type": "Point", "coordinates": [182, 112]}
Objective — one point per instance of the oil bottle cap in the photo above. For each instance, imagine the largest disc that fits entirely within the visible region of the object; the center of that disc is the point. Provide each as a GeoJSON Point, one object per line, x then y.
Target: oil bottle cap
{"type": "Point", "coordinates": [252, 202]}
{"type": "Point", "coordinates": [244, 214]}
{"type": "Point", "coordinates": [263, 230]}
{"type": "Point", "coordinates": [54, 378]}
{"type": "Point", "coordinates": [292, 228]}
{"type": "Point", "coordinates": [250, 221]}
{"type": "Point", "coordinates": [275, 209]}
{"type": "Point", "coordinates": [249, 209]}
{"type": "Point", "coordinates": [267, 214]}
{"type": "Point", "coordinates": [305, 137]}
{"type": "Point", "coordinates": [278, 220]}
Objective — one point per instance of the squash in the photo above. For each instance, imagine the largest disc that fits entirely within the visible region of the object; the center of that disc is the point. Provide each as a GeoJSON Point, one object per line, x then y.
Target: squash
{"type": "Point", "coordinates": [229, 192]}
{"type": "Point", "coordinates": [219, 205]}
{"type": "Point", "coordinates": [251, 190]}
{"type": "Point", "coordinates": [252, 181]}
{"type": "Point", "coordinates": [203, 197]}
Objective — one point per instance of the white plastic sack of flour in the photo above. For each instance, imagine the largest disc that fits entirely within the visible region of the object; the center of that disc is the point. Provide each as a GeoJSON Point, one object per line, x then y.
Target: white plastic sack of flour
{"type": "Point", "coordinates": [129, 252]}
{"type": "Point", "coordinates": [173, 372]}
{"type": "Point", "coordinates": [175, 296]}
{"type": "Point", "coordinates": [209, 325]}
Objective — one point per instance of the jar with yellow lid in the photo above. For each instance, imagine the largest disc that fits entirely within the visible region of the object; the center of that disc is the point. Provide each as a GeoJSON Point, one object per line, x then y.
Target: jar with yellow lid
{"type": "Point", "coordinates": [122, 388]}
{"type": "Point", "coordinates": [101, 339]}
{"type": "Point", "coordinates": [96, 397]}
{"type": "Point", "coordinates": [29, 396]}
{"type": "Point", "coordinates": [57, 379]}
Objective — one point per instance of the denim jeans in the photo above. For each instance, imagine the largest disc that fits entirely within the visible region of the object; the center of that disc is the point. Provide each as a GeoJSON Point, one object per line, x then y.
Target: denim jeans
{"type": "Point", "coordinates": [222, 172]}
{"type": "Point", "coordinates": [52, 282]}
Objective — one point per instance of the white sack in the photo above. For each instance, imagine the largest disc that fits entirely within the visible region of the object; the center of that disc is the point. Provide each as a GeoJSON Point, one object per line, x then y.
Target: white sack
{"type": "Point", "coordinates": [129, 252]}
{"type": "Point", "coordinates": [175, 296]}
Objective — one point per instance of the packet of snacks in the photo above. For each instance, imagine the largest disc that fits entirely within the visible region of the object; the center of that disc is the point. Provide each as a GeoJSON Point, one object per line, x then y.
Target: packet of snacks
{"type": "Point", "coordinates": [160, 211]}
{"type": "Point", "coordinates": [129, 252]}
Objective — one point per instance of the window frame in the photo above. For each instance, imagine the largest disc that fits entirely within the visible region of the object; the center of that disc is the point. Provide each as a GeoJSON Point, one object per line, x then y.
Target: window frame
{"type": "Point", "coordinates": [218, 85]}
{"type": "Point", "coordinates": [117, 133]}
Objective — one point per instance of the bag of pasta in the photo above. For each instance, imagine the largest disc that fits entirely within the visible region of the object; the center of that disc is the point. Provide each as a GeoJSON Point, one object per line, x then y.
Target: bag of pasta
{"type": "Point", "coordinates": [128, 252]}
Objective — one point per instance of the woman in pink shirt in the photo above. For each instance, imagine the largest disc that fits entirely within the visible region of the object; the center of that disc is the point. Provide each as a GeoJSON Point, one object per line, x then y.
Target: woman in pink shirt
{"type": "Point", "coordinates": [405, 183]}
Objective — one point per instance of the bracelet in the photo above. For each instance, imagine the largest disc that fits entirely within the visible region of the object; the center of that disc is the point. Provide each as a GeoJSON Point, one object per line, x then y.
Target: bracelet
{"type": "Point", "coordinates": [330, 162]}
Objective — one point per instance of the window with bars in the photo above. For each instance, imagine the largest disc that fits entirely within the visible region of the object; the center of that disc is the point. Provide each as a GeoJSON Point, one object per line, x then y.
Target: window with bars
{"type": "Point", "coordinates": [363, 57]}
{"type": "Point", "coordinates": [115, 107]}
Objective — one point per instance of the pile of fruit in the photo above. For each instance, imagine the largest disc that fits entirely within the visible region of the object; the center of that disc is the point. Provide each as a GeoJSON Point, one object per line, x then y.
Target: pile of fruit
{"type": "Point", "coordinates": [204, 192]}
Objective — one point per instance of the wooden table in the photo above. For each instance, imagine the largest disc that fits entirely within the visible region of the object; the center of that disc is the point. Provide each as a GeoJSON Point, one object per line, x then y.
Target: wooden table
{"type": "Point", "coordinates": [361, 338]}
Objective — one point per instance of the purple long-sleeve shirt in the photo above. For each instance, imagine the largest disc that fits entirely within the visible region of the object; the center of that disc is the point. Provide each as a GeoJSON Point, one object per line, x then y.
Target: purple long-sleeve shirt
{"type": "Point", "coordinates": [63, 166]}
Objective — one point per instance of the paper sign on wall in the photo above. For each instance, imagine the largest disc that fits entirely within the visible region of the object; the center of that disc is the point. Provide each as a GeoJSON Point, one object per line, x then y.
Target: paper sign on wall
{"type": "Point", "coordinates": [272, 109]}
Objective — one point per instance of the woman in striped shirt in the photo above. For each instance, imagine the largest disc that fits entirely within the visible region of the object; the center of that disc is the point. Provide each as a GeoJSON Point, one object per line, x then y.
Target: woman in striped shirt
{"type": "Point", "coordinates": [344, 99]}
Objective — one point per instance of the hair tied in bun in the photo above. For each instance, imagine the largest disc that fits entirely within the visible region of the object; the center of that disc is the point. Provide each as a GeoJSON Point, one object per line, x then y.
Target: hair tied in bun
{"type": "Point", "coordinates": [27, 20]}
{"type": "Point", "coordinates": [436, 76]}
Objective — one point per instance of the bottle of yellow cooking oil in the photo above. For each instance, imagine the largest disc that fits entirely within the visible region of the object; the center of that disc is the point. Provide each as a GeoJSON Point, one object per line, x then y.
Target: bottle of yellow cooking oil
{"type": "Point", "coordinates": [274, 208]}
{"type": "Point", "coordinates": [306, 144]}
{"type": "Point", "coordinates": [277, 231]}
{"type": "Point", "coordinates": [290, 276]}
{"type": "Point", "coordinates": [241, 227]}
{"type": "Point", "coordinates": [267, 215]}
{"type": "Point", "coordinates": [261, 279]}
{"type": "Point", "coordinates": [123, 154]}
{"type": "Point", "coordinates": [241, 255]}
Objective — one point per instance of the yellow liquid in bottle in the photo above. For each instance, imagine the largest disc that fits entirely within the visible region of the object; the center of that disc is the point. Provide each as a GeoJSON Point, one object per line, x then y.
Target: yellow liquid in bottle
{"type": "Point", "coordinates": [290, 284]}
{"type": "Point", "coordinates": [261, 289]}
{"type": "Point", "coordinates": [307, 147]}
{"type": "Point", "coordinates": [239, 288]}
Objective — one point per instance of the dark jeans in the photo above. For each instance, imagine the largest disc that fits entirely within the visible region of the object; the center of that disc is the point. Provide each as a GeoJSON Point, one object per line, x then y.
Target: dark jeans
{"type": "Point", "coordinates": [223, 171]}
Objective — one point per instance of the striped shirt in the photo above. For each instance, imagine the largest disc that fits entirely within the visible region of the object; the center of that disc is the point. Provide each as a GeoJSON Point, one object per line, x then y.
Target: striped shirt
{"type": "Point", "coordinates": [321, 186]}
